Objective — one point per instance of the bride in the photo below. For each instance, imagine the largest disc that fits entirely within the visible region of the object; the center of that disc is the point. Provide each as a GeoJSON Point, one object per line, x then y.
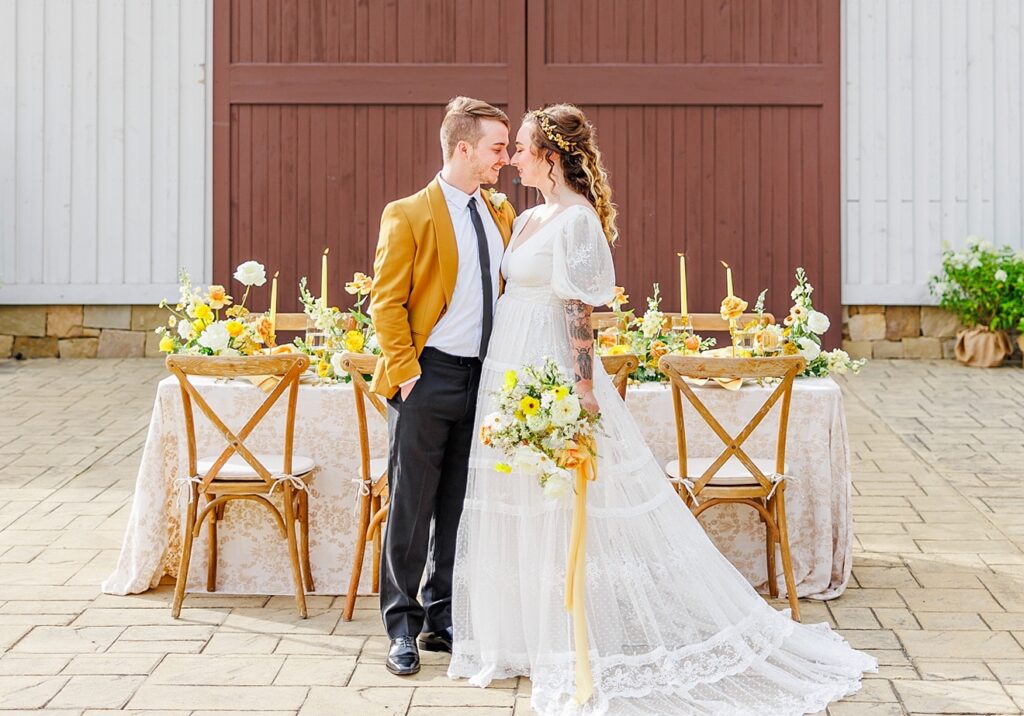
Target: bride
{"type": "Point", "coordinates": [673, 627]}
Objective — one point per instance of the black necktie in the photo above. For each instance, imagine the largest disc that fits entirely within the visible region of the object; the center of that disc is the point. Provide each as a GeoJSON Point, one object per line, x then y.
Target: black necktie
{"type": "Point", "coordinates": [485, 276]}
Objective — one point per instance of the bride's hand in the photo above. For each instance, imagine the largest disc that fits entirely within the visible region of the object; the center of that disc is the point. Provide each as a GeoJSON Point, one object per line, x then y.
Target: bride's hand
{"type": "Point", "coordinates": [585, 391]}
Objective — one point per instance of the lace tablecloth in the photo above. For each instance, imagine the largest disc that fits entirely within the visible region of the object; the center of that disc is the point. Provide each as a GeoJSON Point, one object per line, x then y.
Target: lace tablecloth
{"type": "Point", "coordinates": [253, 556]}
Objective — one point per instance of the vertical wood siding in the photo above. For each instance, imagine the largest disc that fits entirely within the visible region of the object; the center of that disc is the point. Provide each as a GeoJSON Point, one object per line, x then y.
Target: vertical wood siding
{"type": "Point", "coordinates": [932, 147]}
{"type": "Point", "coordinates": [103, 149]}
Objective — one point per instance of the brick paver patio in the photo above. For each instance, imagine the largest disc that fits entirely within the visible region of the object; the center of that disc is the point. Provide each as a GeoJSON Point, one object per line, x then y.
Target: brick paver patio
{"type": "Point", "coordinates": [937, 595]}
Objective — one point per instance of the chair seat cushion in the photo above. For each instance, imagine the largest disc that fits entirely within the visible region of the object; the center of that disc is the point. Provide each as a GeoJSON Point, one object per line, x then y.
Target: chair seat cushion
{"type": "Point", "coordinates": [732, 474]}
{"type": "Point", "coordinates": [237, 468]}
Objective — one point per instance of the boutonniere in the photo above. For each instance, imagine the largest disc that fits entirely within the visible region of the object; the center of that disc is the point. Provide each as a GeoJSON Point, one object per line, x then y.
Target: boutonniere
{"type": "Point", "coordinates": [496, 198]}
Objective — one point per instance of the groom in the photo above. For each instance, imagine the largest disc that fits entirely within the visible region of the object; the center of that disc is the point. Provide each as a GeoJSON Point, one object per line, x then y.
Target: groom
{"type": "Point", "coordinates": [436, 278]}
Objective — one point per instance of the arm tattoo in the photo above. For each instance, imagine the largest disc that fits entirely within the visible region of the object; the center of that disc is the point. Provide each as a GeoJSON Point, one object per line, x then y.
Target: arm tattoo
{"type": "Point", "coordinates": [581, 338]}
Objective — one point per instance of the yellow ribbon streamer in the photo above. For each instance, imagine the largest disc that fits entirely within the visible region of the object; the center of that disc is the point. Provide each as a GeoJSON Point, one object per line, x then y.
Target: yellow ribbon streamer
{"type": "Point", "coordinates": [575, 580]}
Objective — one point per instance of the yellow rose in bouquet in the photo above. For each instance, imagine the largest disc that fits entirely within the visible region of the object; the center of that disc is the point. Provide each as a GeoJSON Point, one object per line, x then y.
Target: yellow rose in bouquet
{"type": "Point", "coordinates": [732, 308]}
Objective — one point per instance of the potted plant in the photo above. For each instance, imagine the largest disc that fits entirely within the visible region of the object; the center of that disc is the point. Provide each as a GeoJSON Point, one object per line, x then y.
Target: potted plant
{"type": "Point", "coordinates": [984, 286]}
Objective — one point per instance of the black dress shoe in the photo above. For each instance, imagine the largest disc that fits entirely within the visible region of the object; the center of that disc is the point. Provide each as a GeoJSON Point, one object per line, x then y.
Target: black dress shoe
{"type": "Point", "coordinates": [437, 640]}
{"type": "Point", "coordinates": [403, 656]}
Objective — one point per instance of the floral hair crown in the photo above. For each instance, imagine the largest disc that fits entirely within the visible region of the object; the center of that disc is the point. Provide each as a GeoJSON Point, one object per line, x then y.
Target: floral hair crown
{"type": "Point", "coordinates": [551, 133]}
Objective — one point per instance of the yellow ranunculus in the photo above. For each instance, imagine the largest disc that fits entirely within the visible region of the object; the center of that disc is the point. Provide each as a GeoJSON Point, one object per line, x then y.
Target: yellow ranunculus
{"type": "Point", "coordinates": [203, 313]}
{"type": "Point", "coordinates": [519, 416]}
{"type": "Point", "coordinates": [503, 467]}
{"type": "Point", "coordinates": [354, 341]}
{"type": "Point", "coordinates": [235, 328]}
{"type": "Point", "coordinates": [618, 350]}
{"type": "Point", "coordinates": [323, 369]}
{"type": "Point", "coordinates": [166, 344]}
{"type": "Point", "coordinates": [529, 405]}
{"type": "Point", "coordinates": [790, 349]}
{"type": "Point", "coordinates": [511, 379]}
{"type": "Point", "coordinates": [561, 392]}
{"type": "Point", "coordinates": [198, 326]}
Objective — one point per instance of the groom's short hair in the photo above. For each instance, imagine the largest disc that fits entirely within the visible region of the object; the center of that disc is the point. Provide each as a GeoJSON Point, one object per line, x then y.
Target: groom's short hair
{"type": "Point", "coordinates": [462, 122]}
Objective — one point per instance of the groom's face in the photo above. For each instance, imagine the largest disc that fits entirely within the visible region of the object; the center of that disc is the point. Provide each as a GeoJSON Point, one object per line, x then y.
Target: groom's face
{"type": "Point", "coordinates": [490, 153]}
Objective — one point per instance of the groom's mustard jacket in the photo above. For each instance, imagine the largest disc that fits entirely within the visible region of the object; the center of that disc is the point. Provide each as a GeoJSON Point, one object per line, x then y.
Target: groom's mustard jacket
{"type": "Point", "coordinates": [414, 277]}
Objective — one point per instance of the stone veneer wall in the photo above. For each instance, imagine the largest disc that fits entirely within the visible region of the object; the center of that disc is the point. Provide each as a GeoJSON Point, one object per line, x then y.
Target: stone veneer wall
{"type": "Point", "coordinates": [899, 332]}
{"type": "Point", "coordinates": [127, 331]}
{"type": "Point", "coordinates": [79, 331]}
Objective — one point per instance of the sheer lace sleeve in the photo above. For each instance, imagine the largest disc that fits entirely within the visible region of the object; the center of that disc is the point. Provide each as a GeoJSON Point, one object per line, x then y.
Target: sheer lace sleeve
{"type": "Point", "coordinates": [583, 268]}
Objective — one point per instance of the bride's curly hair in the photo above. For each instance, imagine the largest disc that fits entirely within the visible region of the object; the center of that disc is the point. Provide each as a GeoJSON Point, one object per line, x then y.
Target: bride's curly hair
{"type": "Point", "coordinates": [565, 130]}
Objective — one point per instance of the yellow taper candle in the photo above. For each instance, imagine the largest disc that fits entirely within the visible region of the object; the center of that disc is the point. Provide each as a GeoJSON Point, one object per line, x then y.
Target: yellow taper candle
{"type": "Point", "coordinates": [728, 279]}
{"type": "Point", "coordinates": [273, 303]}
{"type": "Point", "coordinates": [682, 285]}
{"type": "Point", "coordinates": [323, 277]}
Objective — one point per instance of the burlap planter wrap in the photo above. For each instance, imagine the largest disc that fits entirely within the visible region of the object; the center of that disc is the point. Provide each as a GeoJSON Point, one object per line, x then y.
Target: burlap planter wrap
{"type": "Point", "coordinates": [981, 348]}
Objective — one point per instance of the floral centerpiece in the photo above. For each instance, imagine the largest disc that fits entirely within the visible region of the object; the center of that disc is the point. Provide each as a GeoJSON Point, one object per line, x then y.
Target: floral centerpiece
{"type": "Point", "coordinates": [541, 427]}
{"type": "Point", "coordinates": [197, 326]}
{"type": "Point", "coordinates": [340, 331]}
{"type": "Point", "coordinates": [984, 286]}
{"type": "Point", "coordinates": [804, 327]}
{"type": "Point", "coordinates": [649, 337]}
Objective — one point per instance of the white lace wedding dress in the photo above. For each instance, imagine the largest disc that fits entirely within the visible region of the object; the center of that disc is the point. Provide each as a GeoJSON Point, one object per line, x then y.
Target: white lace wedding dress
{"type": "Point", "coordinates": [674, 628]}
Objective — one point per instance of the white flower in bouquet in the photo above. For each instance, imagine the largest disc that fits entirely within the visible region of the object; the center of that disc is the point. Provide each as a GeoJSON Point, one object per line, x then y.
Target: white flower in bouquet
{"type": "Point", "coordinates": [1000, 276]}
{"type": "Point", "coordinates": [809, 349]}
{"type": "Point", "coordinates": [558, 483]}
{"type": "Point", "coordinates": [565, 411]}
{"type": "Point", "coordinates": [818, 322]}
{"type": "Point", "coordinates": [336, 364]}
{"type": "Point", "coordinates": [538, 422]}
{"type": "Point", "coordinates": [185, 331]}
{"type": "Point", "coordinates": [530, 461]}
{"type": "Point", "coordinates": [215, 337]}
{"type": "Point", "coordinates": [372, 345]}
{"type": "Point", "coordinates": [251, 273]}
{"type": "Point", "coordinates": [230, 352]}
{"type": "Point", "coordinates": [547, 399]}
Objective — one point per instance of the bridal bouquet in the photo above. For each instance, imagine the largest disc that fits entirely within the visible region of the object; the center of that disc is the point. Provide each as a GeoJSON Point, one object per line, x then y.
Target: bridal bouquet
{"type": "Point", "coordinates": [541, 427]}
{"type": "Point", "coordinates": [197, 326]}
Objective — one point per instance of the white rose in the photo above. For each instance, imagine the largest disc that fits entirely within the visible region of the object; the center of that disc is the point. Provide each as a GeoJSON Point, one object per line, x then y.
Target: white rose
{"type": "Point", "coordinates": [251, 273]}
{"type": "Point", "coordinates": [1000, 276]}
{"type": "Point", "coordinates": [818, 322]}
{"type": "Point", "coordinates": [185, 331]}
{"type": "Point", "coordinates": [566, 411]}
{"type": "Point", "coordinates": [336, 364]}
{"type": "Point", "coordinates": [529, 461]}
{"type": "Point", "coordinates": [497, 199]}
{"type": "Point", "coordinates": [557, 484]}
{"type": "Point", "coordinates": [215, 337]}
{"type": "Point", "coordinates": [808, 348]}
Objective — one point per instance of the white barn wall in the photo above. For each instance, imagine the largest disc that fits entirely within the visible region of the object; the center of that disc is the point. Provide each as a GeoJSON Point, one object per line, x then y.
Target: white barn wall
{"type": "Point", "coordinates": [104, 161]}
{"type": "Point", "coordinates": [932, 138]}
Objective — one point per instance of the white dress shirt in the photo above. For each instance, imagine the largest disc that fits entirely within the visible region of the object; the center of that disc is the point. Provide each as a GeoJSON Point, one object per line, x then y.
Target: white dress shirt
{"type": "Point", "coordinates": [458, 331]}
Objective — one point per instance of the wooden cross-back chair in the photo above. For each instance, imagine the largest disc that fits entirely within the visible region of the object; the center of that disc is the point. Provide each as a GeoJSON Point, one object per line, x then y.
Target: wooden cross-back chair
{"type": "Point", "coordinates": [734, 476]}
{"type": "Point", "coordinates": [699, 322]}
{"type": "Point", "coordinates": [238, 473]}
{"type": "Point", "coordinates": [373, 477]}
{"type": "Point", "coordinates": [619, 367]}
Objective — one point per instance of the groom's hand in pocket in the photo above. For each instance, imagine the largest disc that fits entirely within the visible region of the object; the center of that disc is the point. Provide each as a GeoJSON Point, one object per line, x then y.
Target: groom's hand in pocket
{"type": "Point", "coordinates": [406, 389]}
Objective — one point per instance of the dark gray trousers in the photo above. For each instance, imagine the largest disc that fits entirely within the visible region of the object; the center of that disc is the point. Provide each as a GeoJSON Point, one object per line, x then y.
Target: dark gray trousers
{"type": "Point", "coordinates": [430, 436]}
